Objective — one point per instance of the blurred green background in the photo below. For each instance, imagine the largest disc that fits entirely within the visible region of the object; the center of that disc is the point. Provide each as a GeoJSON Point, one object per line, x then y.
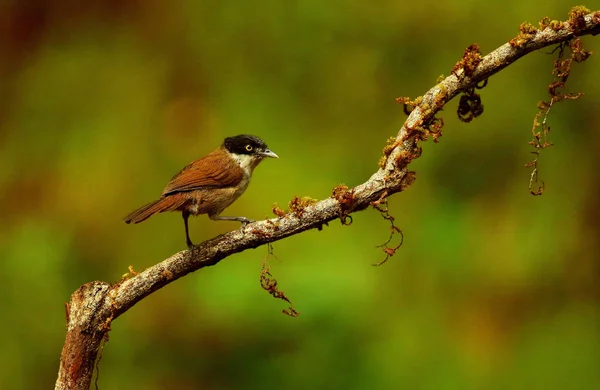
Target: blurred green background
{"type": "Point", "coordinates": [101, 103]}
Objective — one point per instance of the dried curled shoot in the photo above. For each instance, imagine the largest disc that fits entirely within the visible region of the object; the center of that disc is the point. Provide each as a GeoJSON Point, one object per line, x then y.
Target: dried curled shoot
{"type": "Point", "coordinates": [469, 104]}
{"type": "Point", "coordinates": [269, 283]}
{"type": "Point", "coordinates": [540, 128]}
{"type": "Point", "coordinates": [381, 205]}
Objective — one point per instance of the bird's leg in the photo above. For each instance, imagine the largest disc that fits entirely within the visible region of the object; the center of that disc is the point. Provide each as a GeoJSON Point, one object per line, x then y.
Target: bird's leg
{"type": "Point", "coordinates": [185, 216]}
{"type": "Point", "coordinates": [243, 220]}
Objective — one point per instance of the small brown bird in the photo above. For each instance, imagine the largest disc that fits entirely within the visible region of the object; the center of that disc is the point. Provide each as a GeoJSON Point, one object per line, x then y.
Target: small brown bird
{"type": "Point", "coordinates": [209, 185]}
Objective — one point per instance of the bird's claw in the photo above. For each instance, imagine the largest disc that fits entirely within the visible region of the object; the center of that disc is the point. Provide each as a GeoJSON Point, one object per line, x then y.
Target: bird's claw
{"type": "Point", "coordinates": [246, 221]}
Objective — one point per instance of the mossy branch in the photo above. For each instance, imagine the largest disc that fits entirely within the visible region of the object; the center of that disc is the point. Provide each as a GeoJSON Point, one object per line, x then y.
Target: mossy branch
{"type": "Point", "coordinates": [95, 305]}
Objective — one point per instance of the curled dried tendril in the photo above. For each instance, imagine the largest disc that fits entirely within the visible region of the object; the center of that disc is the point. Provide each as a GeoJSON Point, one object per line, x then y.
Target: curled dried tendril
{"type": "Point", "coordinates": [269, 283]}
{"type": "Point", "coordinates": [540, 128]}
{"type": "Point", "coordinates": [469, 105]}
{"type": "Point", "coordinates": [435, 128]}
{"type": "Point", "coordinates": [381, 205]}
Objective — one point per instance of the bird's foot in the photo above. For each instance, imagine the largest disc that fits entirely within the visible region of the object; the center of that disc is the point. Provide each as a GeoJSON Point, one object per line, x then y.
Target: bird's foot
{"type": "Point", "coordinates": [245, 221]}
{"type": "Point", "coordinates": [190, 245]}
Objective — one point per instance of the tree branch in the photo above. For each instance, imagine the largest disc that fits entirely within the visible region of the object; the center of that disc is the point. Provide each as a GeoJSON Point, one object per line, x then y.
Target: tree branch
{"type": "Point", "coordinates": [95, 305]}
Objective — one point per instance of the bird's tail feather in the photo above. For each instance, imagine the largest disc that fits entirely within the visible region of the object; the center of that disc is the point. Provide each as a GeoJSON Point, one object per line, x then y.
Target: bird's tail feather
{"type": "Point", "coordinates": [169, 203]}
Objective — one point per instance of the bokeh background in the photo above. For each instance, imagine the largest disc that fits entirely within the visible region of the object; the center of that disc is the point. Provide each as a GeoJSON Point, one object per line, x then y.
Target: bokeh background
{"type": "Point", "coordinates": [102, 102]}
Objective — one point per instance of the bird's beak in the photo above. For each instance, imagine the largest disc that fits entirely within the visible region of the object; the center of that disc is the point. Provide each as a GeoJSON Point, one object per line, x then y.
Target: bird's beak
{"type": "Point", "coordinates": [268, 153]}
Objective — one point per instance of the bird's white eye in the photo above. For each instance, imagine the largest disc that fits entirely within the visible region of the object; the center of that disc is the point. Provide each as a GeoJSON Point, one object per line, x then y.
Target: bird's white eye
{"type": "Point", "coordinates": [249, 147]}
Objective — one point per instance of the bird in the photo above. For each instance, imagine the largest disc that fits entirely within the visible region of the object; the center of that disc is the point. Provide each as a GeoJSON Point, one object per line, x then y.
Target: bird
{"type": "Point", "coordinates": [210, 184]}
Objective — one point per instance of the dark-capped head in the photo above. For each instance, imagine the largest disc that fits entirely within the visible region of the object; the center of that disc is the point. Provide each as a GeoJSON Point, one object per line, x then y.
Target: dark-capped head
{"type": "Point", "coordinates": [246, 144]}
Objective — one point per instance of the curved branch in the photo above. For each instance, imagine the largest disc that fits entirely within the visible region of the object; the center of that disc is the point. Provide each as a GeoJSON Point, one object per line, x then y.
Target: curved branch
{"type": "Point", "coordinates": [94, 305]}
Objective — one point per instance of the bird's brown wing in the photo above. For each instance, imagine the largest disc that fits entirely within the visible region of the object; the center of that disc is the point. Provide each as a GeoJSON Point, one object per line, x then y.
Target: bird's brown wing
{"type": "Point", "coordinates": [214, 170]}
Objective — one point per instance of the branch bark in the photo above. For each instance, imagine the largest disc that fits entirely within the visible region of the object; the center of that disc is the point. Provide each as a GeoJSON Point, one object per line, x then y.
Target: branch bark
{"type": "Point", "coordinates": [95, 305]}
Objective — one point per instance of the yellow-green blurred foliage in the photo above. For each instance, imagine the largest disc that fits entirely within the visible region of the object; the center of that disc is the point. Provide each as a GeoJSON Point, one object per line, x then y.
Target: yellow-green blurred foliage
{"type": "Point", "coordinates": [101, 103]}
